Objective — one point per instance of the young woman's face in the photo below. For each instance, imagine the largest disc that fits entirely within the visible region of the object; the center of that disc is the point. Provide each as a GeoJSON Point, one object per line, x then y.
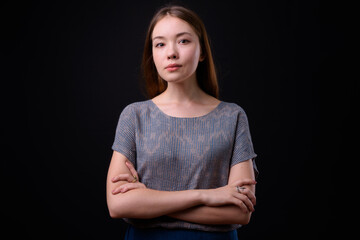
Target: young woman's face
{"type": "Point", "coordinates": [176, 49]}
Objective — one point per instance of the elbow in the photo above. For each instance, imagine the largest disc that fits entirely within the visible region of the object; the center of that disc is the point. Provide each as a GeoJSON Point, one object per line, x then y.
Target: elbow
{"type": "Point", "coordinates": [124, 209]}
{"type": "Point", "coordinates": [244, 219]}
{"type": "Point", "coordinates": [117, 209]}
{"type": "Point", "coordinates": [114, 214]}
{"type": "Point", "coordinates": [119, 212]}
{"type": "Point", "coordinates": [125, 212]}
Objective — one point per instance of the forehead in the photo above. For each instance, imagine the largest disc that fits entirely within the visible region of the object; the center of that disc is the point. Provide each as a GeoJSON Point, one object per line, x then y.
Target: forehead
{"type": "Point", "coordinates": [169, 26]}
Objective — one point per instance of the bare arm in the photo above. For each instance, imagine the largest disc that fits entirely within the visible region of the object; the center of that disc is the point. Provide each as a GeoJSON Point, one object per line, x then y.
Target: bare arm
{"type": "Point", "coordinates": [142, 202]}
{"type": "Point", "coordinates": [229, 214]}
{"type": "Point", "coordinates": [222, 205]}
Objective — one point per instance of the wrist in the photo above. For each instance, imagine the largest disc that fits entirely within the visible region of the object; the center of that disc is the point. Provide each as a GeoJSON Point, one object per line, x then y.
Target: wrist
{"type": "Point", "coordinates": [201, 196]}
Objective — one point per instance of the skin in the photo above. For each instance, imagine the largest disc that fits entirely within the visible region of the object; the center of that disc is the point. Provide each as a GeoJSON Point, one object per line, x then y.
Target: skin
{"type": "Point", "coordinates": [175, 42]}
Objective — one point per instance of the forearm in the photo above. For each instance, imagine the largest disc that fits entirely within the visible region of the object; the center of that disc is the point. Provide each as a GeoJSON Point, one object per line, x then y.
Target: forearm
{"type": "Point", "coordinates": [148, 203]}
{"type": "Point", "coordinates": [228, 214]}
{"type": "Point", "coordinates": [223, 205]}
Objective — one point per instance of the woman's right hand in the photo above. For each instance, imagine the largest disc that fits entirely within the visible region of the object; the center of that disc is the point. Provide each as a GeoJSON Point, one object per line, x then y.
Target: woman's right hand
{"type": "Point", "coordinates": [132, 180]}
{"type": "Point", "coordinates": [229, 194]}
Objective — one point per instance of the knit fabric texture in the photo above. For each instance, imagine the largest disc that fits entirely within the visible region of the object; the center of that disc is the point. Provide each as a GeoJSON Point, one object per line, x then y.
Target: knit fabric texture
{"type": "Point", "coordinates": [173, 154]}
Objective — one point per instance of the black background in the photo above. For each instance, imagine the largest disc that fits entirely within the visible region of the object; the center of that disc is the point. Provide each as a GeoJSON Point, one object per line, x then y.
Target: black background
{"type": "Point", "coordinates": [71, 67]}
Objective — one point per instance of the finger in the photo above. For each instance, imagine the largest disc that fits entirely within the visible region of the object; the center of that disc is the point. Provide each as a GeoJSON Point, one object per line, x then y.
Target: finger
{"type": "Point", "coordinates": [242, 182]}
{"type": "Point", "coordinates": [241, 205]}
{"type": "Point", "coordinates": [132, 169]}
{"type": "Point", "coordinates": [130, 186]}
{"type": "Point", "coordinates": [116, 190]}
{"type": "Point", "coordinates": [123, 177]}
{"type": "Point", "coordinates": [248, 193]}
{"type": "Point", "coordinates": [249, 205]}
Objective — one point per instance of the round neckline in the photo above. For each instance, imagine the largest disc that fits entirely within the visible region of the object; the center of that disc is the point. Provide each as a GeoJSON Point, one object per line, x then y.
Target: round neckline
{"type": "Point", "coordinates": [198, 117]}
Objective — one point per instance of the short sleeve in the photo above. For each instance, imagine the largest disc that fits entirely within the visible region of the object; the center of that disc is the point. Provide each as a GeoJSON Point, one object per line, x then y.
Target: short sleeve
{"type": "Point", "coordinates": [243, 147]}
{"type": "Point", "coordinates": [125, 142]}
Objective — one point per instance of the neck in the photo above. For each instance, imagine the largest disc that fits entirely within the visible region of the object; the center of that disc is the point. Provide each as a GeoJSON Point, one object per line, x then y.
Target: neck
{"type": "Point", "coordinates": [184, 92]}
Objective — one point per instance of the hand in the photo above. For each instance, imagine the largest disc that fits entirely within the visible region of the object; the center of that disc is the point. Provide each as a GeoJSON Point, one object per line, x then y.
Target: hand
{"type": "Point", "coordinates": [245, 199]}
{"type": "Point", "coordinates": [132, 180]}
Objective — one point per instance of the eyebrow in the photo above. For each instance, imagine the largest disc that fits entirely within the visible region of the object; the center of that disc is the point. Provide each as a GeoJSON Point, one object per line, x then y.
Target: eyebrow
{"type": "Point", "coordinates": [177, 35]}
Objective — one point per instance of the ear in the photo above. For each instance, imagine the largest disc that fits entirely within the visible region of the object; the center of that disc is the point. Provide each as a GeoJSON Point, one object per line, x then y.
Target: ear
{"type": "Point", "coordinates": [202, 57]}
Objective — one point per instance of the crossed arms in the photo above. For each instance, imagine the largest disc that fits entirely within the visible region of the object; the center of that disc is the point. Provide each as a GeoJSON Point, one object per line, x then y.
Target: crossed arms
{"type": "Point", "coordinates": [224, 205]}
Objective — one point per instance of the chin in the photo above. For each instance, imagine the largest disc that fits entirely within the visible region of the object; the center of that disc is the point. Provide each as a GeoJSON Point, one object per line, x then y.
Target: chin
{"type": "Point", "coordinates": [175, 78]}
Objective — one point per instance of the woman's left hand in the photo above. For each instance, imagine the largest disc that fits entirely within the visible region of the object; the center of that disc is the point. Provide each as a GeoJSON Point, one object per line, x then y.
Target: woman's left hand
{"type": "Point", "coordinates": [133, 180]}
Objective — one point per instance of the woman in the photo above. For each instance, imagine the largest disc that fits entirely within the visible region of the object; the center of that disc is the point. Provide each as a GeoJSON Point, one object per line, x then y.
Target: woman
{"type": "Point", "coordinates": [182, 166]}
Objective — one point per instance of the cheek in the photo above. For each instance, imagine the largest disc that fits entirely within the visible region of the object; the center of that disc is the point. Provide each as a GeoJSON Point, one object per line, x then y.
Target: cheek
{"type": "Point", "coordinates": [156, 59]}
{"type": "Point", "coordinates": [192, 56]}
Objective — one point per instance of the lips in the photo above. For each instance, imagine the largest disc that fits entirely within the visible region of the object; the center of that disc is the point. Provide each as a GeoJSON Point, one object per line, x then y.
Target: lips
{"type": "Point", "coordinates": [173, 67]}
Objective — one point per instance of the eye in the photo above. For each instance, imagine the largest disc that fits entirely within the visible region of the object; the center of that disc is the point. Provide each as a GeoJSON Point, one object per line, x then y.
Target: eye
{"type": "Point", "coordinates": [159, 45]}
{"type": "Point", "coordinates": [184, 41]}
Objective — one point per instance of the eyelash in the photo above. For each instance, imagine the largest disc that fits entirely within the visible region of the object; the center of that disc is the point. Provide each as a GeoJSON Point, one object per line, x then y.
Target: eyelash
{"type": "Point", "coordinates": [182, 41]}
{"type": "Point", "coordinates": [157, 45]}
{"type": "Point", "coordinates": [186, 41]}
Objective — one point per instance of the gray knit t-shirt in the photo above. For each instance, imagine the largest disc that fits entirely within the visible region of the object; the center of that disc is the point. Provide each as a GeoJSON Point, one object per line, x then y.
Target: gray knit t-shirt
{"type": "Point", "coordinates": [173, 154]}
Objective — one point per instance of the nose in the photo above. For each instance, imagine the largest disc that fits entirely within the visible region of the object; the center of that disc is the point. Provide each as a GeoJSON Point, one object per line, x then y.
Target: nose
{"type": "Point", "coordinates": [172, 57]}
{"type": "Point", "coordinates": [172, 53]}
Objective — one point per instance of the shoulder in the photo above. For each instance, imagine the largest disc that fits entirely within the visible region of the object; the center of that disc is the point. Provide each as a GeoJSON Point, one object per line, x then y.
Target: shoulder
{"type": "Point", "coordinates": [231, 108]}
{"type": "Point", "coordinates": [137, 107]}
{"type": "Point", "coordinates": [233, 112]}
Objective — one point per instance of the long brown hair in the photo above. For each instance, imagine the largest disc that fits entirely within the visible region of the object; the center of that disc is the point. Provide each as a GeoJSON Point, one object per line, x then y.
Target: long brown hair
{"type": "Point", "coordinates": [205, 72]}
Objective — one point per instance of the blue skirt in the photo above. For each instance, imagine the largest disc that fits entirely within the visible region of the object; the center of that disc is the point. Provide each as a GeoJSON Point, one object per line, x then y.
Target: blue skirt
{"type": "Point", "coordinates": [133, 233]}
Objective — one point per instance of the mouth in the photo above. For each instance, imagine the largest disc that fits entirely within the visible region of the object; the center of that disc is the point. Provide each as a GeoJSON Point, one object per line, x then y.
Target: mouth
{"type": "Point", "coordinates": [173, 67]}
